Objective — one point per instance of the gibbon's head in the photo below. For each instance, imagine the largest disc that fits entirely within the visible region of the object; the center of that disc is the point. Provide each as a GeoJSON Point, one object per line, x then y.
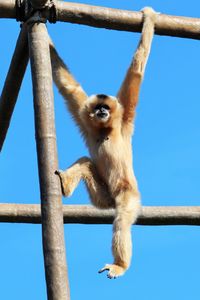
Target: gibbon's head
{"type": "Point", "coordinates": [103, 110]}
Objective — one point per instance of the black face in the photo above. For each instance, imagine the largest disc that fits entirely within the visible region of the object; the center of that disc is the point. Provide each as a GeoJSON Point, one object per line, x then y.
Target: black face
{"type": "Point", "coordinates": [102, 110]}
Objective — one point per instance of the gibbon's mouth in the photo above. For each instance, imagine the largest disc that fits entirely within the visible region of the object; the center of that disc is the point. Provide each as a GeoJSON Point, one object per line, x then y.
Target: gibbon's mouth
{"type": "Point", "coordinates": [102, 115]}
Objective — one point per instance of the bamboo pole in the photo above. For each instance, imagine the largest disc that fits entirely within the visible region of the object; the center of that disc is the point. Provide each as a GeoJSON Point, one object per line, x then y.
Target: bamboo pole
{"type": "Point", "coordinates": [7, 9]}
{"type": "Point", "coordinates": [13, 83]}
{"type": "Point", "coordinates": [52, 216]}
{"type": "Point", "coordinates": [87, 214]}
{"type": "Point", "coordinates": [117, 19]}
{"type": "Point", "coordinates": [38, 3]}
{"type": "Point", "coordinates": [125, 20]}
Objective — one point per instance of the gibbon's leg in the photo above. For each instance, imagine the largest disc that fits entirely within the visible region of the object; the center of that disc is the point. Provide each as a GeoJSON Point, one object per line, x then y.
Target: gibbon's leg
{"type": "Point", "coordinates": [85, 169]}
{"type": "Point", "coordinates": [127, 210]}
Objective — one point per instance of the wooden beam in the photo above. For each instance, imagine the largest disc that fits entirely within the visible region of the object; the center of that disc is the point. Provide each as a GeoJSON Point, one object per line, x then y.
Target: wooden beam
{"type": "Point", "coordinates": [38, 3]}
{"type": "Point", "coordinates": [7, 9]}
{"type": "Point", "coordinates": [13, 83]}
{"type": "Point", "coordinates": [50, 190]}
{"type": "Point", "coordinates": [117, 19]}
{"type": "Point", "coordinates": [87, 214]}
{"type": "Point", "coordinates": [125, 20]}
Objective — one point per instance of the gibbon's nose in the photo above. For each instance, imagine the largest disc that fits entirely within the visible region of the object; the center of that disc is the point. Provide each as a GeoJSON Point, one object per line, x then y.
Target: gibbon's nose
{"type": "Point", "coordinates": [102, 112]}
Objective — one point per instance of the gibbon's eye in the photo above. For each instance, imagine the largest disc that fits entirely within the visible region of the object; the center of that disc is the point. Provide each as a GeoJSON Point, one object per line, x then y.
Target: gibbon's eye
{"type": "Point", "coordinates": [99, 106]}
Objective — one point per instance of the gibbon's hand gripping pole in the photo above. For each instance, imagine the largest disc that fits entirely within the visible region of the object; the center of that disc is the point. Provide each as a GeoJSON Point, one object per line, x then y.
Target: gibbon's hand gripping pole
{"type": "Point", "coordinates": [13, 83]}
{"type": "Point", "coordinates": [50, 190]}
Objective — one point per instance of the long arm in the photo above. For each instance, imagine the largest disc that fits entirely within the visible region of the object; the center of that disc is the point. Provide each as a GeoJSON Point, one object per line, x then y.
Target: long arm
{"type": "Point", "coordinates": [71, 90]}
{"type": "Point", "coordinates": [129, 91]}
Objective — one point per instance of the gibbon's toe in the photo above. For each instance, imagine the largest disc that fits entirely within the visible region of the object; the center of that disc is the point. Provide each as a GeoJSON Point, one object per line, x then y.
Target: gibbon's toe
{"type": "Point", "coordinates": [59, 173]}
{"type": "Point", "coordinates": [114, 271]}
{"type": "Point", "coordinates": [64, 186]}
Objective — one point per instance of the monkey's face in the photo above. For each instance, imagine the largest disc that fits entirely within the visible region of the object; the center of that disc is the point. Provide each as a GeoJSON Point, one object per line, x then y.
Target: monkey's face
{"type": "Point", "coordinates": [101, 113]}
{"type": "Point", "coordinates": [103, 110]}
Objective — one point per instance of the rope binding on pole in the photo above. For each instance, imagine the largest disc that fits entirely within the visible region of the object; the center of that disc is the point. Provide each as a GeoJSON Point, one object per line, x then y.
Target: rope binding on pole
{"type": "Point", "coordinates": [26, 11]}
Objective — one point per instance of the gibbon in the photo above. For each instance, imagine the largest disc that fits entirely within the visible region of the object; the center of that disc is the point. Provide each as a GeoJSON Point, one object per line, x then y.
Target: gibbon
{"type": "Point", "coordinates": [106, 123]}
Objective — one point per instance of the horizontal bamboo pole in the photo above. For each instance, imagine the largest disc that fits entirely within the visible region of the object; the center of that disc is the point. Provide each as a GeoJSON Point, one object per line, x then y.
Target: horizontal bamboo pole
{"type": "Point", "coordinates": [87, 214]}
{"type": "Point", "coordinates": [38, 3]}
{"type": "Point", "coordinates": [126, 20]}
{"type": "Point", "coordinates": [117, 19]}
{"type": "Point", "coordinates": [13, 83]}
{"type": "Point", "coordinates": [7, 9]}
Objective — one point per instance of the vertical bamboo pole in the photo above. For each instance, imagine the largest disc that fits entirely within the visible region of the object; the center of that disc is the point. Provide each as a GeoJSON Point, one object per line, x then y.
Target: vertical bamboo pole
{"type": "Point", "coordinates": [13, 83]}
{"type": "Point", "coordinates": [51, 205]}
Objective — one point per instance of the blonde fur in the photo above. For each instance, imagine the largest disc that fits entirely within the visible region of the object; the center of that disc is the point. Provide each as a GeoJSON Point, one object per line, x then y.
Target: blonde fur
{"type": "Point", "coordinates": [108, 174]}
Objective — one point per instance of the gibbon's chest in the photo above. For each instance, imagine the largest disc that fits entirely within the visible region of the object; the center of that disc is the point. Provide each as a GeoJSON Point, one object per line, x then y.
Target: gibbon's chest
{"type": "Point", "coordinates": [111, 153]}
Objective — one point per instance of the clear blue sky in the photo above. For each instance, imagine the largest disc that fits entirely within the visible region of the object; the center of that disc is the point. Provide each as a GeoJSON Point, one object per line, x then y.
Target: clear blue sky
{"type": "Point", "coordinates": [166, 150]}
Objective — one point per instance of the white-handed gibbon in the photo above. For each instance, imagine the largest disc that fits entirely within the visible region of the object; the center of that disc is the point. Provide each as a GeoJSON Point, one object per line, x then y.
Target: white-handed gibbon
{"type": "Point", "coordinates": [106, 123]}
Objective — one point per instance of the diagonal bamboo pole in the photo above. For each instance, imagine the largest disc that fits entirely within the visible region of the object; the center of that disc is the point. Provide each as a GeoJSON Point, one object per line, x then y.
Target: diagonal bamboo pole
{"type": "Point", "coordinates": [13, 83]}
{"type": "Point", "coordinates": [52, 215]}
{"type": "Point", "coordinates": [87, 214]}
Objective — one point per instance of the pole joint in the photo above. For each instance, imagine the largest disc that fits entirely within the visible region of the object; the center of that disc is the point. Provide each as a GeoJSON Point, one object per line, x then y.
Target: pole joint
{"type": "Point", "coordinates": [35, 11]}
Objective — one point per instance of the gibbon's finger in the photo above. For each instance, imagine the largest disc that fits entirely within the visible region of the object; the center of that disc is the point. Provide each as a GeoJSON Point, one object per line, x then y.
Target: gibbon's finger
{"type": "Point", "coordinates": [114, 271]}
{"type": "Point", "coordinates": [106, 268]}
{"type": "Point", "coordinates": [58, 172]}
{"type": "Point", "coordinates": [111, 276]}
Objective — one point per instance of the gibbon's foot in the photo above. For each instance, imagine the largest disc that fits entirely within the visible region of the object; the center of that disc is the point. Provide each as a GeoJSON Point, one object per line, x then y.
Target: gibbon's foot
{"type": "Point", "coordinates": [114, 271]}
{"type": "Point", "coordinates": [66, 183]}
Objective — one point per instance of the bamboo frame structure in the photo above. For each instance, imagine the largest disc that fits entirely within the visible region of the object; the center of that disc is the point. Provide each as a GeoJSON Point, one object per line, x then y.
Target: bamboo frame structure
{"type": "Point", "coordinates": [52, 213]}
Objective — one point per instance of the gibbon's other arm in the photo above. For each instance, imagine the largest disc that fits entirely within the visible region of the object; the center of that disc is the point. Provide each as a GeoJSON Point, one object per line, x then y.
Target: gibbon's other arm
{"type": "Point", "coordinates": [129, 91]}
{"type": "Point", "coordinates": [69, 88]}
